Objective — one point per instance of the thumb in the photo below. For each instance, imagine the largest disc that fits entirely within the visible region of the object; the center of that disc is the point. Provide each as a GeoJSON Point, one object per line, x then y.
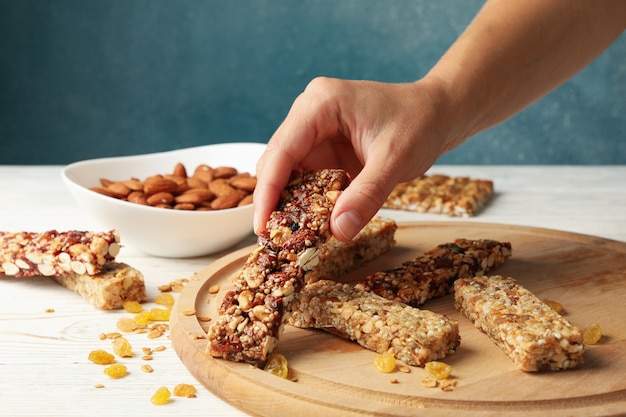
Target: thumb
{"type": "Point", "coordinates": [360, 201]}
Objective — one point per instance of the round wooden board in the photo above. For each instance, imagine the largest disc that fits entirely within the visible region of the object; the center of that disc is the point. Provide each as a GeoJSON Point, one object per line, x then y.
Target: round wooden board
{"type": "Point", "coordinates": [336, 377]}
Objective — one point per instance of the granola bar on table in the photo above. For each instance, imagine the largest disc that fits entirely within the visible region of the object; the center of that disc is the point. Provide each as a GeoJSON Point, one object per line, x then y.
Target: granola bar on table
{"type": "Point", "coordinates": [412, 335]}
{"type": "Point", "coordinates": [530, 332]}
{"type": "Point", "coordinates": [115, 283]}
{"type": "Point", "coordinates": [441, 194]}
{"type": "Point", "coordinates": [81, 261]}
{"type": "Point", "coordinates": [27, 254]}
{"type": "Point", "coordinates": [252, 316]}
{"type": "Point", "coordinates": [432, 274]}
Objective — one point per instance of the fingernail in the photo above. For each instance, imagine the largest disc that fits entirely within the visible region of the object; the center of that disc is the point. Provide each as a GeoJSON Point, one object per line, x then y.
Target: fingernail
{"type": "Point", "coordinates": [348, 224]}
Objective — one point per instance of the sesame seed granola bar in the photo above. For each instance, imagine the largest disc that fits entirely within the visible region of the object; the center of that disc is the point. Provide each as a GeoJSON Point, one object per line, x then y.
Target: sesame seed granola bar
{"type": "Point", "coordinates": [531, 333]}
{"type": "Point", "coordinates": [252, 316]}
{"type": "Point", "coordinates": [115, 283]}
{"type": "Point", "coordinates": [412, 335]}
{"type": "Point", "coordinates": [432, 274]}
{"type": "Point", "coordinates": [441, 194]}
{"type": "Point", "coordinates": [50, 253]}
{"type": "Point", "coordinates": [337, 258]}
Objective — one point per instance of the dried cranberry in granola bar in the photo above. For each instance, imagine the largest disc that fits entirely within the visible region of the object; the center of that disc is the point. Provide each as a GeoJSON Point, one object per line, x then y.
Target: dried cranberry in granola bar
{"type": "Point", "coordinates": [252, 316]}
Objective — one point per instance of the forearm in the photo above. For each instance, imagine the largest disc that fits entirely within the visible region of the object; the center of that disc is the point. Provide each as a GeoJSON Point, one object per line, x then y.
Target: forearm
{"type": "Point", "coordinates": [515, 52]}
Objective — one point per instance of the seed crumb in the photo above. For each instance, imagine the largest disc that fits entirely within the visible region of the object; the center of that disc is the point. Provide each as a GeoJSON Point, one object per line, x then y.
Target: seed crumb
{"type": "Point", "coordinates": [393, 381]}
{"type": "Point", "coordinates": [99, 386]}
{"type": "Point", "coordinates": [49, 310]}
{"type": "Point", "coordinates": [147, 368]}
{"type": "Point", "coordinates": [404, 368]}
{"type": "Point", "coordinates": [448, 384]}
{"type": "Point", "coordinates": [429, 382]}
{"type": "Point", "coordinates": [190, 312]}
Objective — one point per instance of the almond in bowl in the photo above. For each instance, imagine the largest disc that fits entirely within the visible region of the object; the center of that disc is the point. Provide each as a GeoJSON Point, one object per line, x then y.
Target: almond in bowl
{"type": "Point", "coordinates": [176, 204]}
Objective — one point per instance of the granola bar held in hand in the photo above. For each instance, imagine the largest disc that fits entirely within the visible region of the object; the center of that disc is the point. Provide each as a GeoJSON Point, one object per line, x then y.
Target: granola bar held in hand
{"type": "Point", "coordinates": [27, 254]}
{"type": "Point", "coordinates": [530, 332]}
{"type": "Point", "coordinates": [432, 274]}
{"type": "Point", "coordinates": [412, 335]}
{"type": "Point", "coordinates": [252, 316]}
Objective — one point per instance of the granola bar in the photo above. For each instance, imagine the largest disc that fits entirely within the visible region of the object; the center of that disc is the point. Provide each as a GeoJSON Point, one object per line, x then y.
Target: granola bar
{"type": "Point", "coordinates": [432, 274]}
{"type": "Point", "coordinates": [108, 289]}
{"type": "Point", "coordinates": [252, 316]}
{"type": "Point", "coordinates": [531, 333]}
{"type": "Point", "coordinates": [441, 194]}
{"type": "Point", "coordinates": [337, 258]}
{"type": "Point", "coordinates": [50, 253]}
{"type": "Point", "coordinates": [412, 335]}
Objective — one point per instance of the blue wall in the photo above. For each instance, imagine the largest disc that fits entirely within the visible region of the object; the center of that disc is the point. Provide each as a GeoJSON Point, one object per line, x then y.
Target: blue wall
{"type": "Point", "coordinates": [82, 79]}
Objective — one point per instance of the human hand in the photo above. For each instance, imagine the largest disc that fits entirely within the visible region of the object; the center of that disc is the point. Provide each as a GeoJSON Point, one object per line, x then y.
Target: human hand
{"type": "Point", "coordinates": [380, 133]}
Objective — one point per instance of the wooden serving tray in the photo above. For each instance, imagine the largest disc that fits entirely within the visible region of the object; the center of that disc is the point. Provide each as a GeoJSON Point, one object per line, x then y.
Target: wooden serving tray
{"type": "Point", "coordinates": [336, 377]}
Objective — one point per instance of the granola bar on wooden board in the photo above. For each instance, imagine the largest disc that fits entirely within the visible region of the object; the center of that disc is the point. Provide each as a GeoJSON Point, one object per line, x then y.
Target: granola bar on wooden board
{"type": "Point", "coordinates": [432, 274]}
{"type": "Point", "coordinates": [108, 289]}
{"type": "Point", "coordinates": [530, 332]}
{"type": "Point", "coordinates": [441, 194]}
{"type": "Point", "coordinates": [50, 253]}
{"type": "Point", "coordinates": [412, 335]}
{"type": "Point", "coordinates": [252, 316]}
{"type": "Point", "coordinates": [337, 258]}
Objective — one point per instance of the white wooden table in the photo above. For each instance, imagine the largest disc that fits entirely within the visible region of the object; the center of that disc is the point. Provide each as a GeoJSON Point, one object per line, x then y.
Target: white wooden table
{"type": "Point", "coordinates": [44, 370]}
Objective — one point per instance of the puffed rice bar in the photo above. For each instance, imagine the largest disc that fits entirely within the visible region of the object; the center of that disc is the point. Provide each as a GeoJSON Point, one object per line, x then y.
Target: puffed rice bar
{"type": "Point", "coordinates": [252, 316]}
{"type": "Point", "coordinates": [531, 333]}
{"type": "Point", "coordinates": [337, 258]}
{"type": "Point", "coordinates": [108, 289]}
{"type": "Point", "coordinates": [431, 275]}
{"type": "Point", "coordinates": [50, 253]}
{"type": "Point", "coordinates": [412, 335]}
{"type": "Point", "coordinates": [441, 194]}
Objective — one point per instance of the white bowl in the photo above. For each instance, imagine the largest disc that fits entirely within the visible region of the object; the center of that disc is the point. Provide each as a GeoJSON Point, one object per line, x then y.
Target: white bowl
{"type": "Point", "coordinates": [157, 231]}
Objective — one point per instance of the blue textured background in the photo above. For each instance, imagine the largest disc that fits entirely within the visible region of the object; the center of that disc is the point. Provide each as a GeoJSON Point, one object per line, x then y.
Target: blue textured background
{"type": "Point", "coordinates": [81, 79]}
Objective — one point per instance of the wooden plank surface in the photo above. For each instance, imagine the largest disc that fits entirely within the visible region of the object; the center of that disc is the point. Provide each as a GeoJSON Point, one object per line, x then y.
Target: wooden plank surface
{"type": "Point", "coordinates": [336, 377]}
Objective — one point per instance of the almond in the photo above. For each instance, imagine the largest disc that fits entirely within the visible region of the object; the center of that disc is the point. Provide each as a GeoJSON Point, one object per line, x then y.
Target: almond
{"type": "Point", "coordinates": [134, 184]}
{"type": "Point", "coordinates": [224, 172]}
{"type": "Point", "coordinates": [226, 201]}
{"type": "Point", "coordinates": [160, 198]}
{"type": "Point", "coordinates": [103, 191]}
{"type": "Point", "coordinates": [244, 183]}
{"type": "Point", "coordinates": [137, 197]}
{"type": "Point", "coordinates": [180, 170]}
{"type": "Point", "coordinates": [204, 173]}
{"type": "Point", "coordinates": [220, 187]}
{"type": "Point", "coordinates": [245, 201]}
{"type": "Point", "coordinates": [195, 196]}
{"type": "Point", "coordinates": [119, 189]}
{"type": "Point", "coordinates": [161, 185]}
{"type": "Point", "coordinates": [184, 206]}
{"type": "Point", "coordinates": [195, 182]}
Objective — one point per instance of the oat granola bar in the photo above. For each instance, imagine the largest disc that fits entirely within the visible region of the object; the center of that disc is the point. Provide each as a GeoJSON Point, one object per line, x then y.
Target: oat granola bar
{"type": "Point", "coordinates": [432, 274]}
{"type": "Point", "coordinates": [412, 335]}
{"type": "Point", "coordinates": [337, 258]}
{"type": "Point", "coordinates": [531, 333]}
{"type": "Point", "coordinates": [50, 253]}
{"type": "Point", "coordinates": [441, 194]}
{"type": "Point", "coordinates": [252, 316]}
{"type": "Point", "coordinates": [115, 283]}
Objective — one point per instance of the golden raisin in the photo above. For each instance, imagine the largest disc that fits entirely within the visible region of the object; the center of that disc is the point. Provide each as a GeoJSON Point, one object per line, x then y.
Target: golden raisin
{"type": "Point", "coordinates": [385, 362]}
{"type": "Point", "coordinates": [142, 317]}
{"type": "Point", "coordinates": [184, 390]}
{"type": "Point", "coordinates": [277, 365]}
{"type": "Point", "coordinates": [159, 314]}
{"type": "Point", "coordinates": [161, 396]}
{"type": "Point", "coordinates": [101, 357]}
{"type": "Point", "coordinates": [122, 348]}
{"type": "Point", "coordinates": [164, 299]}
{"type": "Point", "coordinates": [554, 305]}
{"type": "Point", "coordinates": [127, 325]}
{"type": "Point", "coordinates": [438, 370]}
{"type": "Point", "coordinates": [592, 334]}
{"type": "Point", "coordinates": [116, 370]}
{"type": "Point", "coordinates": [132, 306]}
